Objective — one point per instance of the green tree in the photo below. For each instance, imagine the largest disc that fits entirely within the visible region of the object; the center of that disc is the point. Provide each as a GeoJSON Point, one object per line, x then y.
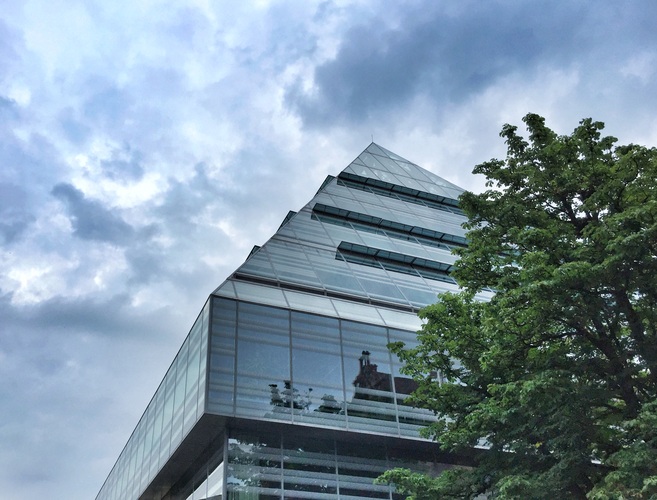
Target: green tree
{"type": "Point", "coordinates": [552, 384]}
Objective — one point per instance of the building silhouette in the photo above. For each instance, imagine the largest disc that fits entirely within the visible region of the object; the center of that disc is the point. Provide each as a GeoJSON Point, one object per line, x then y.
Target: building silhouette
{"type": "Point", "coordinates": [284, 387]}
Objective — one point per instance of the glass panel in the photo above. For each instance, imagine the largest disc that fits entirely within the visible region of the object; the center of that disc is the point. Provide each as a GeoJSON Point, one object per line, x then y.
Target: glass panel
{"type": "Point", "coordinates": [382, 289]}
{"type": "Point", "coordinates": [181, 373]}
{"type": "Point", "coordinates": [260, 293]}
{"type": "Point", "coordinates": [263, 380]}
{"type": "Point", "coordinates": [334, 275]}
{"type": "Point", "coordinates": [309, 467]}
{"type": "Point", "coordinates": [381, 240]}
{"type": "Point", "coordinates": [392, 166]}
{"type": "Point", "coordinates": [373, 148]}
{"type": "Point", "coordinates": [368, 376]}
{"type": "Point", "coordinates": [359, 169]}
{"type": "Point", "coordinates": [263, 363]}
{"type": "Point", "coordinates": [263, 323]}
{"type": "Point", "coordinates": [254, 468]}
{"type": "Point", "coordinates": [222, 357]}
{"type": "Point", "coordinates": [319, 375]}
{"type": "Point", "coordinates": [353, 310]}
{"type": "Point", "coordinates": [263, 360]}
{"type": "Point", "coordinates": [419, 297]}
{"type": "Point", "coordinates": [358, 466]}
{"type": "Point", "coordinates": [215, 482]}
{"type": "Point", "coordinates": [317, 368]}
{"type": "Point", "coordinates": [400, 319]}
{"type": "Point", "coordinates": [258, 265]}
{"type": "Point", "coordinates": [370, 161]}
{"type": "Point", "coordinates": [311, 326]}
{"type": "Point", "coordinates": [309, 302]}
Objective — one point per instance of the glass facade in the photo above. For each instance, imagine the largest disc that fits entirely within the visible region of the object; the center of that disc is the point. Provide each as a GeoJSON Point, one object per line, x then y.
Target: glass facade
{"type": "Point", "coordinates": [296, 339]}
{"type": "Point", "coordinates": [275, 466]}
{"type": "Point", "coordinates": [270, 363]}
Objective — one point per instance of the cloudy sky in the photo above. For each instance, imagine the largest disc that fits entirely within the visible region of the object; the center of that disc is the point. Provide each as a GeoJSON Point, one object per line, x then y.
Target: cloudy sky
{"type": "Point", "coordinates": [147, 145]}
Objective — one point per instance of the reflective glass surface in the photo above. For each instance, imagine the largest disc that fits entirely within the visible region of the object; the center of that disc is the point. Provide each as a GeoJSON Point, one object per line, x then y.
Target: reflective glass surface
{"type": "Point", "coordinates": [373, 239]}
{"type": "Point", "coordinates": [282, 466]}
{"type": "Point", "coordinates": [307, 368]}
{"type": "Point", "coordinates": [208, 482]}
{"type": "Point", "coordinates": [383, 203]}
{"type": "Point", "coordinates": [298, 335]}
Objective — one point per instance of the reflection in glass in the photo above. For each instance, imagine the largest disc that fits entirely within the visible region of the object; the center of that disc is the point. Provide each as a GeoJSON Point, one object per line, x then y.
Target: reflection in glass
{"type": "Point", "coordinates": [372, 396]}
{"type": "Point", "coordinates": [210, 485]}
{"type": "Point", "coordinates": [358, 466]}
{"type": "Point", "coordinates": [286, 466]}
{"type": "Point", "coordinates": [254, 468]}
{"type": "Point", "coordinates": [317, 368]}
{"type": "Point", "coordinates": [308, 466]}
{"type": "Point", "coordinates": [289, 397]}
{"type": "Point", "coordinates": [313, 369]}
{"type": "Point", "coordinates": [261, 365]}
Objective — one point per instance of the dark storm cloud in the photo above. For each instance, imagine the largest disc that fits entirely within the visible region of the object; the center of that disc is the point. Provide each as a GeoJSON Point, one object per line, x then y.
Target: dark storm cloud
{"type": "Point", "coordinates": [58, 352]}
{"type": "Point", "coordinates": [91, 220]}
{"type": "Point", "coordinates": [146, 263]}
{"type": "Point", "coordinates": [452, 55]}
{"type": "Point", "coordinates": [184, 201]}
{"type": "Point", "coordinates": [112, 316]}
{"type": "Point", "coordinates": [29, 165]}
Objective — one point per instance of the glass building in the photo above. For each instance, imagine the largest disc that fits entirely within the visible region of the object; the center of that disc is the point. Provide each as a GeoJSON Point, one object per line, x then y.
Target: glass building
{"type": "Point", "coordinates": [284, 387]}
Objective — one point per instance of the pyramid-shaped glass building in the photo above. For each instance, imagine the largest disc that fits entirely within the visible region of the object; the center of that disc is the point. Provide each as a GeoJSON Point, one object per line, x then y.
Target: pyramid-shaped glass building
{"type": "Point", "coordinates": [284, 387]}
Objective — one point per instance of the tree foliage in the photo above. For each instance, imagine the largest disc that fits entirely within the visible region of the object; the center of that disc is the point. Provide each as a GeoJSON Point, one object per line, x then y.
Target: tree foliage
{"type": "Point", "coordinates": [554, 379]}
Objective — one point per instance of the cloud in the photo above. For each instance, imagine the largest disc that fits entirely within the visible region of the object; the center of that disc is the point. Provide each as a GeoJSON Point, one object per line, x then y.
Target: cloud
{"type": "Point", "coordinates": [14, 216]}
{"type": "Point", "coordinates": [91, 220]}
{"type": "Point", "coordinates": [382, 64]}
{"type": "Point", "coordinates": [184, 202]}
{"type": "Point", "coordinates": [74, 130]}
{"type": "Point", "coordinates": [60, 353]}
{"type": "Point", "coordinates": [9, 54]}
{"type": "Point", "coordinates": [452, 51]}
{"type": "Point", "coordinates": [114, 316]}
{"type": "Point", "coordinates": [124, 165]}
{"type": "Point", "coordinates": [108, 105]}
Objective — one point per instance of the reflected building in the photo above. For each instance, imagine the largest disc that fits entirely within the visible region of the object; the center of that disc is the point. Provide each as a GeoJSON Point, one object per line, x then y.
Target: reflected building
{"type": "Point", "coordinates": [284, 387]}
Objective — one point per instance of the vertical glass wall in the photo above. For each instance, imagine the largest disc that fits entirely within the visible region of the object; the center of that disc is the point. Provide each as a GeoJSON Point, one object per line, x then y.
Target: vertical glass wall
{"type": "Point", "coordinates": [317, 369]}
{"type": "Point", "coordinates": [177, 405]}
{"type": "Point", "coordinates": [275, 364]}
{"type": "Point", "coordinates": [221, 380]}
{"type": "Point", "coordinates": [208, 483]}
{"type": "Point", "coordinates": [273, 466]}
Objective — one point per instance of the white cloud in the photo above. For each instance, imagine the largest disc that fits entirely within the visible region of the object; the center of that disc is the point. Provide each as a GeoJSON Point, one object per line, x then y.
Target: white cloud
{"type": "Point", "coordinates": [640, 66]}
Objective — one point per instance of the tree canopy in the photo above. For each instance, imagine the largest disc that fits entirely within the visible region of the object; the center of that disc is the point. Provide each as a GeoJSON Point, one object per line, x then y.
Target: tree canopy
{"type": "Point", "coordinates": [554, 380]}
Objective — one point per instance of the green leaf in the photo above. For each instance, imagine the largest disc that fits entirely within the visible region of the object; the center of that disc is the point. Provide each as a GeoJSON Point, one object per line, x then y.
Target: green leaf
{"type": "Point", "coordinates": [557, 374]}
